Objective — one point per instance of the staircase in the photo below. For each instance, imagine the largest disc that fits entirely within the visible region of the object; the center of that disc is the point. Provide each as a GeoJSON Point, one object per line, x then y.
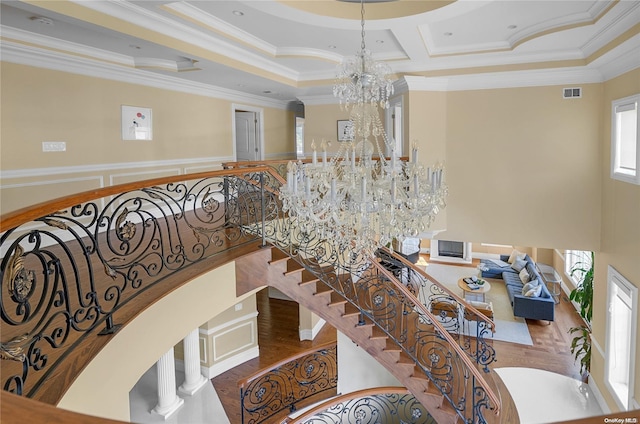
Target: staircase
{"type": "Point", "coordinates": [423, 378]}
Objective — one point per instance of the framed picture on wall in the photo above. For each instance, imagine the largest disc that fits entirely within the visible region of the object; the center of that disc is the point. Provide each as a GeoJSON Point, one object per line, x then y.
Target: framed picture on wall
{"type": "Point", "coordinates": [345, 130]}
{"type": "Point", "coordinates": [136, 123]}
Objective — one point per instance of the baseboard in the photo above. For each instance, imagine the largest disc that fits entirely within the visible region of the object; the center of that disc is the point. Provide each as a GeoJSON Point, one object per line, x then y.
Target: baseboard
{"type": "Point", "coordinates": [592, 384]}
{"type": "Point", "coordinates": [310, 334]}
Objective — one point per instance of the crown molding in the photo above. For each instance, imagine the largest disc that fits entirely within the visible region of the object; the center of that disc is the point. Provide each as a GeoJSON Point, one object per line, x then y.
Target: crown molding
{"type": "Point", "coordinates": [144, 18]}
{"type": "Point", "coordinates": [536, 78]}
{"type": "Point", "coordinates": [43, 58]}
{"type": "Point", "coordinates": [323, 99]}
{"type": "Point", "coordinates": [619, 60]}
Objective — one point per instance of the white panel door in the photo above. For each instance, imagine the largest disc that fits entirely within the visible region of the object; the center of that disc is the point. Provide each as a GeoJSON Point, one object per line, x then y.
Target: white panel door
{"type": "Point", "coordinates": [246, 146]}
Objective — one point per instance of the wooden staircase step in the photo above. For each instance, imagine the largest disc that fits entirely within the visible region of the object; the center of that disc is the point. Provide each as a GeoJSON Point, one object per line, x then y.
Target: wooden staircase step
{"type": "Point", "coordinates": [278, 255]}
{"type": "Point", "coordinates": [304, 285]}
{"type": "Point", "coordinates": [293, 267]}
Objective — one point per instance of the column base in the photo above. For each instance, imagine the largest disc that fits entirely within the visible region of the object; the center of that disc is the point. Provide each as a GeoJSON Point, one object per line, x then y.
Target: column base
{"type": "Point", "coordinates": [169, 410]}
{"type": "Point", "coordinates": [191, 389]}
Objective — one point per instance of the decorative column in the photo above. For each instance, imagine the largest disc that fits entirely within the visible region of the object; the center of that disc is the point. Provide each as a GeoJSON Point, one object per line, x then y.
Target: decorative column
{"type": "Point", "coordinates": [168, 401]}
{"type": "Point", "coordinates": [193, 379]}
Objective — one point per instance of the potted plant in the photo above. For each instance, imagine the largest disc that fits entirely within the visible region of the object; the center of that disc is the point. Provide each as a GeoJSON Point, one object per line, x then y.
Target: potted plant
{"type": "Point", "coordinates": [583, 296]}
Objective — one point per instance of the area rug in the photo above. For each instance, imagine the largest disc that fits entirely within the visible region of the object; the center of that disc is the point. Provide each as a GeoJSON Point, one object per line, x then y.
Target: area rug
{"type": "Point", "coordinates": [508, 327]}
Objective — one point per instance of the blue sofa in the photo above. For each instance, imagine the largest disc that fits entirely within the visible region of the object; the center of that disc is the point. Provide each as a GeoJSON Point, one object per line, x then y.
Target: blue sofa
{"type": "Point", "coordinates": [540, 308]}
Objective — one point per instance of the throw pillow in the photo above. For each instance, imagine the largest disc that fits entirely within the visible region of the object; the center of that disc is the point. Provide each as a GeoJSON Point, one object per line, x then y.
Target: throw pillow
{"type": "Point", "coordinates": [516, 254]}
{"type": "Point", "coordinates": [529, 286]}
{"type": "Point", "coordinates": [535, 291]}
{"type": "Point", "coordinates": [518, 264]}
{"type": "Point", "coordinates": [524, 276]}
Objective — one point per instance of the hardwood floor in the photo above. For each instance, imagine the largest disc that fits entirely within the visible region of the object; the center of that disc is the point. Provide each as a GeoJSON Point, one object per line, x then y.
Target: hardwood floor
{"type": "Point", "coordinates": [278, 338]}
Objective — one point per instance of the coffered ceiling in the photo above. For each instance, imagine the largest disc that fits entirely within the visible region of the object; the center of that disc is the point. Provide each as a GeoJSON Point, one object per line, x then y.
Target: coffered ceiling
{"type": "Point", "coordinates": [283, 50]}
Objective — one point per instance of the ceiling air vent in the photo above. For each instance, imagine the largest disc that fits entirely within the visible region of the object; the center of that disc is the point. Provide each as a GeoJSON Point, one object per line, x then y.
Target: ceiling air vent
{"type": "Point", "coordinates": [572, 93]}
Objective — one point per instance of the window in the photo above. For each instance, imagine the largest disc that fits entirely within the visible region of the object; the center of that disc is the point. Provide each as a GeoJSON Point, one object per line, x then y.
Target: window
{"type": "Point", "coordinates": [622, 299]}
{"type": "Point", "coordinates": [576, 264]}
{"type": "Point", "coordinates": [625, 150]}
{"type": "Point", "coordinates": [299, 137]}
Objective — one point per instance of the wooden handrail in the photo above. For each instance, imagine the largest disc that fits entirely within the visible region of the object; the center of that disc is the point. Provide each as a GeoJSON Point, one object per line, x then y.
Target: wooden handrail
{"type": "Point", "coordinates": [21, 216]}
{"type": "Point", "coordinates": [429, 277]}
{"type": "Point", "coordinates": [444, 333]}
{"type": "Point", "coordinates": [19, 409]}
{"type": "Point", "coordinates": [245, 381]}
{"type": "Point", "coordinates": [376, 391]}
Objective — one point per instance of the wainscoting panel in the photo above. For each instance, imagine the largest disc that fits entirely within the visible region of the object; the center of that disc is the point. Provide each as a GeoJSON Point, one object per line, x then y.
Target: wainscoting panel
{"type": "Point", "coordinates": [26, 192]}
{"type": "Point", "coordinates": [128, 177]}
{"type": "Point", "coordinates": [25, 187]}
{"type": "Point", "coordinates": [229, 344]}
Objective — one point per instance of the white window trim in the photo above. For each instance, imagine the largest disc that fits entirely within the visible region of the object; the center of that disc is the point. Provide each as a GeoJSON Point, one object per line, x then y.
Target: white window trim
{"type": "Point", "coordinates": [567, 269]}
{"type": "Point", "coordinates": [617, 175]}
{"type": "Point", "coordinates": [614, 277]}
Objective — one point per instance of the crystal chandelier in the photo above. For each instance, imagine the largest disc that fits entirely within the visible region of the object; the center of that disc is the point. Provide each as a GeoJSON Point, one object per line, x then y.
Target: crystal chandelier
{"type": "Point", "coordinates": [359, 199]}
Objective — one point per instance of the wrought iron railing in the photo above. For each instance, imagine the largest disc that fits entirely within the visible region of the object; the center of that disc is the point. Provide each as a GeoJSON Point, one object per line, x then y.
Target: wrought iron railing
{"type": "Point", "coordinates": [68, 266]}
{"type": "Point", "coordinates": [388, 405]}
{"type": "Point", "coordinates": [391, 306]}
{"type": "Point", "coordinates": [285, 385]}
{"type": "Point", "coordinates": [466, 324]}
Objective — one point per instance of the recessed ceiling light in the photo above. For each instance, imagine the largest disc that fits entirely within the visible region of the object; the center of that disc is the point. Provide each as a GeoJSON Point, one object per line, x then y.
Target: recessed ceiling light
{"type": "Point", "coordinates": [42, 20]}
{"type": "Point", "coordinates": [448, 34]}
{"type": "Point", "coordinates": [238, 13]}
{"type": "Point", "coordinates": [512, 27]}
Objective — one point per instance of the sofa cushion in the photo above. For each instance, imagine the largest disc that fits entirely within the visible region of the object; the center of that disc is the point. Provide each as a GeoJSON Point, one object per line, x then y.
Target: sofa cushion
{"type": "Point", "coordinates": [532, 288]}
{"type": "Point", "coordinates": [518, 264]}
{"type": "Point", "coordinates": [532, 270]}
{"type": "Point", "coordinates": [524, 276]}
{"type": "Point", "coordinates": [493, 269]}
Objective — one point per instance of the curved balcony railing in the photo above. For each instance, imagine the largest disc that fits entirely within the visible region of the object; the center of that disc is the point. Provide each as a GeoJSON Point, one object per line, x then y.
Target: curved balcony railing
{"type": "Point", "coordinates": [70, 266]}
{"type": "Point", "coordinates": [466, 324]}
{"type": "Point", "coordinates": [389, 405]}
{"type": "Point", "coordinates": [283, 386]}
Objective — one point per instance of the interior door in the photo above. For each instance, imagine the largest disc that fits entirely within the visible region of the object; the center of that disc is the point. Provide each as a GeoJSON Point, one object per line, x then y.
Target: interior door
{"type": "Point", "coordinates": [246, 146]}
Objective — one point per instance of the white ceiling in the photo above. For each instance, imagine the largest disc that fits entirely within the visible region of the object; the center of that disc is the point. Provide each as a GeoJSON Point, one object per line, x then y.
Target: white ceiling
{"type": "Point", "coordinates": [288, 49]}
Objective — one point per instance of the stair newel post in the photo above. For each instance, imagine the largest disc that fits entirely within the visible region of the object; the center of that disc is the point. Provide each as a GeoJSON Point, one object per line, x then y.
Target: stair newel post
{"type": "Point", "coordinates": [262, 209]}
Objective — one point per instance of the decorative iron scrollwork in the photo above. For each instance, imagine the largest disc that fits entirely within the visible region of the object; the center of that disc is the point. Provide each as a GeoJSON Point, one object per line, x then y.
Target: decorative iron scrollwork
{"type": "Point", "coordinates": [18, 280]}
{"type": "Point", "coordinates": [12, 349]}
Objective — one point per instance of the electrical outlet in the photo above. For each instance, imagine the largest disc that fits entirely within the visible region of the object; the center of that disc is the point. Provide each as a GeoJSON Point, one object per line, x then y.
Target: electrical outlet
{"type": "Point", "coordinates": [238, 306]}
{"type": "Point", "coordinates": [54, 146]}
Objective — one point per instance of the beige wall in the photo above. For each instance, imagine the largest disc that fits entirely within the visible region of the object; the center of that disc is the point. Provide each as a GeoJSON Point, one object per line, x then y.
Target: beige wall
{"type": "Point", "coordinates": [321, 122]}
{"type": "Point", "coordinates": [190, 134]}
{"type": "Point", "coordinates": [523, 167]}
{"type": "Point", "coordinates": [138, 345]}
{"type": "Point", "coordinates": [230, 337]}
{"type": "Point", "coordinates": [620, 231]}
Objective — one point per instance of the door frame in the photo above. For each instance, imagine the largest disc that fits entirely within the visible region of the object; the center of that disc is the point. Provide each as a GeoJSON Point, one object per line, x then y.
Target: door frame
{"type": "Point", "coordinates": [259, 130]}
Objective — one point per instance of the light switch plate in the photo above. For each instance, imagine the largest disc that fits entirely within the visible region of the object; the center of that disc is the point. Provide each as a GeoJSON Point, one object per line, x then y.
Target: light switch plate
{"type": "Point", "coordinates": [54, 146]}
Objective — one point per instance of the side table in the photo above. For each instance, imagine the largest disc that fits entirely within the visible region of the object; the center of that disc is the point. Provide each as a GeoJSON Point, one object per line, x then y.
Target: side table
{"type": "Point", "coordinates": [552, 280]}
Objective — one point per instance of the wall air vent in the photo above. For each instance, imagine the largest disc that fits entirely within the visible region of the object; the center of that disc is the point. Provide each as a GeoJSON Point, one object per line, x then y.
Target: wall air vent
{"type": "Point", "coordinates": [572, 93]}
